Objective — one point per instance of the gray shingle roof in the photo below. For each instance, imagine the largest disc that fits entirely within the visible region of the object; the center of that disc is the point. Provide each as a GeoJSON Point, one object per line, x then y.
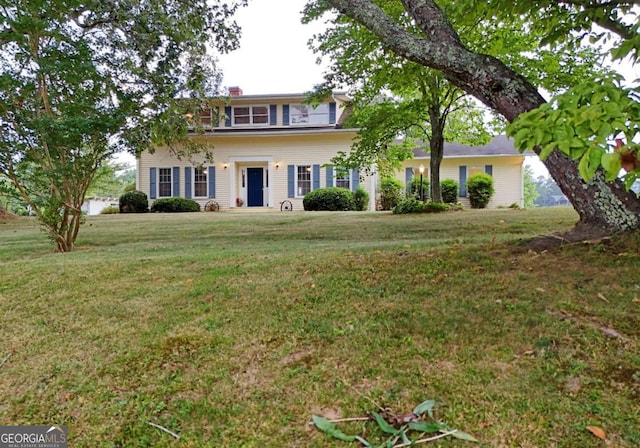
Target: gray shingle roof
{"type": "Point", "coordinates": [501, 145]}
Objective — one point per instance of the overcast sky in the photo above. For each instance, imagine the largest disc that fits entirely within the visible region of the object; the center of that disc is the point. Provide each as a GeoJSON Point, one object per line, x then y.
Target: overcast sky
{"type": "Point", "coordinates": [273, 55]}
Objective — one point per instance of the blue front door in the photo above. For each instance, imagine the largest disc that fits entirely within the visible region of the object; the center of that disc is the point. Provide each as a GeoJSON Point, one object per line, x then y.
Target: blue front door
{"type": "Point", "coordinates": [255, 185]}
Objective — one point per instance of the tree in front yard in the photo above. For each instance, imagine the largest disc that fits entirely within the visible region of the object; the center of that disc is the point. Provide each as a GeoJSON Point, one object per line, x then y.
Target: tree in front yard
{"type": "Point", "coordinates": [426, 36]}
{"type": "Point", "coordinates": [80, 81]}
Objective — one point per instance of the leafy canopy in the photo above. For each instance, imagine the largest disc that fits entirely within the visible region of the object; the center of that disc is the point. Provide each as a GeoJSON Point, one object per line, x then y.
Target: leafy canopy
{"type": "Point", "coordinates": [81, 80]}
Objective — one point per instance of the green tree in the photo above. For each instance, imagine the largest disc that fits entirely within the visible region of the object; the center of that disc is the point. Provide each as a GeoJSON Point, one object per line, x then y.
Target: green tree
{"type": "Point", "coordinates": [548, 192]}
{"type": "Point", "coordinates": [80, 81]}
{"type": "Point", "coordinates": [422, 107]}
{"type": "Point", "coordinates": [603, 206]}
{"type": "Point", "coordinates": [529, 188]}
{"type": "Point", "coordinates": [111, 180]}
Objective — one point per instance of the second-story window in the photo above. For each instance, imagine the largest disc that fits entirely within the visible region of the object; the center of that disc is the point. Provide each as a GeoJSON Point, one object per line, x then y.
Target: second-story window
{"type": "Point", "coordinates": [251, 116]}
{"type": "Point", "coordinates": [304, 114]}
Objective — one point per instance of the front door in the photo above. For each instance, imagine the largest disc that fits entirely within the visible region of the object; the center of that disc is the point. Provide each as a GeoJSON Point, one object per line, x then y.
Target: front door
{"type": "Point", "coordinates": [255, 185]}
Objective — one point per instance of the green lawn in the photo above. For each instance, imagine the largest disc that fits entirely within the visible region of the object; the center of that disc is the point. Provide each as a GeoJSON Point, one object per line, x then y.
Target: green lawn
{"type": "Point", "coordinates": [233, 329]}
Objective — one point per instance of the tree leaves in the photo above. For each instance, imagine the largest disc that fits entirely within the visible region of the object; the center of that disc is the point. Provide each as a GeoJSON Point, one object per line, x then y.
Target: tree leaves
{"type": "Point", "coordinates": [598, 432]}
{"type": "Point", "coordinates": [582, 123]}
{"type": "Point", "coordinates": [79, 83]}
{"type": "Point", "coordinates": [329, 428]}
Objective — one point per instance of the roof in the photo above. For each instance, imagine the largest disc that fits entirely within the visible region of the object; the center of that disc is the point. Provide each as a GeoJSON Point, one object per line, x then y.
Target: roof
{"type": "Point", "coordinates": [501, 145]}
{"type": "Point", "coordinates": [284, 96]}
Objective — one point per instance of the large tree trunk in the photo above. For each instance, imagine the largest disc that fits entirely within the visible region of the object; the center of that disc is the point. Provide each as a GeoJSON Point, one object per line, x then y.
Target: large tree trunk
{"type": "Point", "coordinates": [436, 147]}
{"type": "Point", "coordinates": [603, 207]}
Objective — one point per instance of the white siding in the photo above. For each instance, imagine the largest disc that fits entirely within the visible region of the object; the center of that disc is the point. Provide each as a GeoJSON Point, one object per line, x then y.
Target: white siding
{"type": "Point", "coordinates": [239, 152]}
{"type": "Point", "coordinates": [507, 175]}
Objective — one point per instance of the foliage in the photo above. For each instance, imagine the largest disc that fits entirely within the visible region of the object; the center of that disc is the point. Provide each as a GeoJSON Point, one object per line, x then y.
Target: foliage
{"type": "Point", "coordinates": [437, 207]}
{"type": "Point", "coordinates": [110, 210]}
{"type": "Point", "coordinates": [80, 82]}
{"type": "Point", "coordinates": [409, 205]}
{"type": "Point", "coordinates": [134, 202]}
{"type": "Point", "coordinates": [111, 180]}
{"type": "Point", "coordinates": [360, 199]}
{"type": "Point", "coordinates": [548, 192]}
{"type": "Point", "coordinates": [582, 123]}
{"type": "Point", "coordinates": [569, 22]}
{"type": "Point", "coordinates": [174, 205]}
{"type": "Point", "coordinates": [414, 205]}
{"type": "Point", "coordinates": [414, 188]}
{"type": "Point", "coordinates": [398, 428]}
{"type": "Point", "coordinates": [329, 199]}
{"type": "Point", "coordinates": [529, 188]}
{"type": "Point", "coordinates": [391, 192]}
{"type": "Point", "coordinates": [421, 108]}
{"type": "Point", "coordinates": [480, 190]}
{"type": "Point", "coordinates": [426, 32]}
{"type": "Point", "coordinates": [449, 189]}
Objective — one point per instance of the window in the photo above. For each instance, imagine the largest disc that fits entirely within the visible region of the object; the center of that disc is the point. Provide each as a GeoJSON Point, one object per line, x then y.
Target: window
{"type": "Point", "coordinates": [303, 114]}
{"type": "Point", "coordinates": [303, 180]}
{"type": "Point", "coordinates": [251, 116]}
{"type": "Point", "coordinates": [343, 178]}
{"type": "Point", "coordinates": [200, 182]}
{"type": "Point", "coordinates": [209, 118]}
{"type": "Point", "coordinates": [205, 118]}
{"type": "Point", "coordinates": [164, 182]}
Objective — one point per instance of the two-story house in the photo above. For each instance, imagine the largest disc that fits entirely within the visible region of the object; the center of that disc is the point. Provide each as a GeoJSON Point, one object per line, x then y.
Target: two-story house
{"type": "Point", "coordinates": [267, 149]}
{"type": "Point", "coordinates": [273, 148]}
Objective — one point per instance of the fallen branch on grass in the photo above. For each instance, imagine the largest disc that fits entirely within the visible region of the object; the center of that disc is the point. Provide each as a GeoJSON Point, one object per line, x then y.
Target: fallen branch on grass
{"type": "Point", "coordinates": [5, 359]}
{"type": "Point", "coordinates": [162, 428]}
{"type": "Point", "coordinates": [396, 428]}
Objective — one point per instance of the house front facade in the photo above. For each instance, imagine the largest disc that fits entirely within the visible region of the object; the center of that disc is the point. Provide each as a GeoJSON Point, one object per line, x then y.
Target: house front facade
{"type": "Point", "coordinates": [267, 149]}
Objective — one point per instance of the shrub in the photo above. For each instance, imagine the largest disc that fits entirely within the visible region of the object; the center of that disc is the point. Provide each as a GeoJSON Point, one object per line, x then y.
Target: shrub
{"type": "Point", "coordinates": [175, 205]}
{"type": "Point", "coordinates": [436, 207]}
{"type": "Point", "coordinates": [414, 189]}
{"type": "Point", "coordinates": [390, 193]}
{"type": "Point", "coordinates": [110, 210]}
{"type": "Point", "coordinates": [449, 188]}
{"type": "Point", "coordinates": [480, 190]}
{"type": "Point", "coordinates": [329, 199]}
{"type": "Point", "coordinates": [361, 199]}
{"type": "Point", "coordinates": [410, 205]}
{"type": "Point", "coordinates": [133, 202]}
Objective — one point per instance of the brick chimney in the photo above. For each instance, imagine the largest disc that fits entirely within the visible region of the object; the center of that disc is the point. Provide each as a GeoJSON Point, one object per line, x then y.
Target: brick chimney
{"type": "Point", "coordinates": [235, 91]}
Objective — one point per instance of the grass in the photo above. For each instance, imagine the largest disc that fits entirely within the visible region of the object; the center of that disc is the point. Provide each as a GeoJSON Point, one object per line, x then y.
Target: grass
{"type": "Point", "coordinates": [233, 329]}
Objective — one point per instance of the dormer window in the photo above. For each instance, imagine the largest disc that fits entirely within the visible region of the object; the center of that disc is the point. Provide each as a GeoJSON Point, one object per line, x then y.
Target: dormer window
{"type": "Point", "coordinates": [304, 114]}
{"type": "Point", "coordinates": [250, 115]}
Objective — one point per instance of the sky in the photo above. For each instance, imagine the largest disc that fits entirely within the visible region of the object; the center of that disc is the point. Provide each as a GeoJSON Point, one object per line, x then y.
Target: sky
{"type": "Point", "coordinates": [273, 55]}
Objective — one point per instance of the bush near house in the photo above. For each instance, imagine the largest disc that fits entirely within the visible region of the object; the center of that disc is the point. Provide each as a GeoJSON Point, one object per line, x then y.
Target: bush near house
{"type": "Point", "coordinates": [413, 205]}
{"type": "Point", "coordinates": [331, 199]}
{"type": "Point", "coordinates": [110, 210]}
{"type": "Point", "coordinates": [415, 188]}
{"type": "Point", "coordinates": [449, 188]}
{"type": "Point", "coordinates": [361, 199]}
{"type": "Point", "coordinates": [480, 190]}
{"type": "Point", "coordinates": [175, 205]}
{"type": "Point", "coordinates": [390, 193]}
{"type": "Point", "coordinates": [134, 202]}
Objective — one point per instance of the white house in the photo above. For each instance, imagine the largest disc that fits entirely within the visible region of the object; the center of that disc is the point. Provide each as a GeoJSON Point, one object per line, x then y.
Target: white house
{"type": "Point", "coordinates": [273, 148]}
